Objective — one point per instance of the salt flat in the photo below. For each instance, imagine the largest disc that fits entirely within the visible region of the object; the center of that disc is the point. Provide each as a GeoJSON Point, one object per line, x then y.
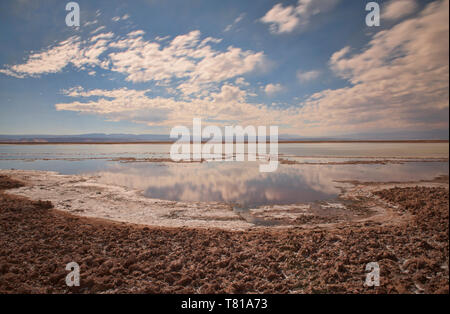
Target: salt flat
{"type": "Point", "coordinates": [85, 195]}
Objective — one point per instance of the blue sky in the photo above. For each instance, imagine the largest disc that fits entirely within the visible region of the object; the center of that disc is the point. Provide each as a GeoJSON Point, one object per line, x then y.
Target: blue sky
{"type": "Point", "coordinates": [314, 68]}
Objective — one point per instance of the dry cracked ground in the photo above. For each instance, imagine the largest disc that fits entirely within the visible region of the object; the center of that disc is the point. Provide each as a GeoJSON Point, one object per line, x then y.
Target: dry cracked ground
{"type": "Point", "coordinates": [37, 241]}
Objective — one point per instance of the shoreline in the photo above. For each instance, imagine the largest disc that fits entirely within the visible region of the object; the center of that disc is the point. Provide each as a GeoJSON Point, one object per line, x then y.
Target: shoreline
{"type": "Point", "coordinates": [171, 142]}
{"type": "Point", "coordinates": [86, 196]}
{"type": "Point", "coordinates": [282, 160]}
{"type": "Point", "coordinates": [37, 241]}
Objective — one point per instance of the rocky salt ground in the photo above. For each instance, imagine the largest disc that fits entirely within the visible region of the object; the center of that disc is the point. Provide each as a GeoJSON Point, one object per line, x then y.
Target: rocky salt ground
{"type": "Point", "coordinates": [407, 235]}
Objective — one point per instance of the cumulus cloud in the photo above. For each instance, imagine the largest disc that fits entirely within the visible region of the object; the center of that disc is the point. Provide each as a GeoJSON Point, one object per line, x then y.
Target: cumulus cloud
{"type": "Point", "coordinates": [399, 81]}
{"type": "Point", "coordinates": [103, 35]}
{"type": "Point", "coordinates": [119, 104]}
{"type": "Point", "coordinates": [98, 29]}
{"type": "Point", "coordinates": [241, 81]}
{"type": "Point", "coordinates": [136, 33]}
{"type": "Point", "coordinates": [80, 53]}
{"type": "Point", "coordinates": [188, 59]}
{"type": "Point", "coordinates": [271, 89]}
{"type": "Point", "coordinates": [396, 9]}
{"type": "Point", "coordinates": [307, 76]}
{"type": "Point", "coordinates": [285, 19]}
{"type": "Point", "coordinates": [52, 60]}
{"type": "Point", "coordinates": [229, 94]}
{"type": "Point", "coordinates": [228, 105]}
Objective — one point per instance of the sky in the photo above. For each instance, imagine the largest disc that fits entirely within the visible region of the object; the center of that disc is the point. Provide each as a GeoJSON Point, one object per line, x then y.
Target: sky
{"type": "Point", "coordinates": [311, 67]}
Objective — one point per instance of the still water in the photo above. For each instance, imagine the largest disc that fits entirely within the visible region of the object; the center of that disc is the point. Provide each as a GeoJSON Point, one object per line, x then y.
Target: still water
{"type": "Point", "coordinates": [235, 182]}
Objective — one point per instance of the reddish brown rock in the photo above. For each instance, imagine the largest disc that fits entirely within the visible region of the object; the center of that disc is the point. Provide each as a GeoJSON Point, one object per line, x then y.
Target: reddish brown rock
{"type": "Point", "coordinates": [121, 258]}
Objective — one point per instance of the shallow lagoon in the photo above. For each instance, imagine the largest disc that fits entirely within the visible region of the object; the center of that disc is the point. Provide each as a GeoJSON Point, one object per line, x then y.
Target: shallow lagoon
{"type": "Point", "coordinates": [235, 182]}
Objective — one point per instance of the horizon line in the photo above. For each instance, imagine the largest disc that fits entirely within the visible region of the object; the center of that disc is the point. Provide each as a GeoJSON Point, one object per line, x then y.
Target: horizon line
{"type": "Point", "coordinates": [245, 142]}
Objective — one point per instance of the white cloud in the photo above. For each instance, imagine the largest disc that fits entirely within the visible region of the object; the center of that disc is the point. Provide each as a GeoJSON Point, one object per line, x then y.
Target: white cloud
{"type": "Point", "coordinates": [229, 93]}
{"type": "Point", "coordinates": [79, 53]}
{"type": "Point", "coordinates": [91, 23]}
{"type": "Point", "coordinates": [271, 89]}
{"type": "Point", "coordinates": [162, 38]}
{"type": "Point", "coordinates": [283, 19]}
{"type": "Point", "coordinates": [102, 35]}
{"type": "Point", "coordinates": [396, 9]}
{"type": "Point", "coordinates": [136, 33]}
{"type": "Point", "coordinates": [120, 18]}
{"type": "Point", "coordinates": [398, 81]}
{"type": "Point", "coordinates": [187, 59]}
{"type": "Point", "coordinates": [210, 40]}
{"type": "Point", "coordinates": [307, 76]}
{"type": "Point", "coordinates": [52, 60]}
{"type": "Point", "coordinates": [235, 22]}
{"type": "Point", "coordinates": [98, 29]}
{"type": "Point", "coordinates": [241, 81]}
{"type": "Point", "coordinates": [226, 106]}
{"type": "Point", "coordinates": [89, 55]}
{"type": "Point", "coordinates": [339, 54]}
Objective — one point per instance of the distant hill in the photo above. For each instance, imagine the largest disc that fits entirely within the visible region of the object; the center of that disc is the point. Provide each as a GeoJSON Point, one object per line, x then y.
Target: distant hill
{"type": "Point", "coordinates": [139, 138]}
{"type": "Point", "coordinates": [85, 138]}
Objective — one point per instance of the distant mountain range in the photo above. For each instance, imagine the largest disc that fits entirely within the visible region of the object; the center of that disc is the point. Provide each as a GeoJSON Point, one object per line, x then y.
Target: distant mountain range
{"type": "Point", "coordinates": [108, 138]}
{"type": "Point", "coordinates": [132, 138]}
{"type": "Point", "coordinates": [92, 137]}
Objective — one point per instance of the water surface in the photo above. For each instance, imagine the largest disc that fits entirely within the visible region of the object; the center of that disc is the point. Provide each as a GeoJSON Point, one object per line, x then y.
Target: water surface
{"type": "Point", "coordinates": [233, 182]}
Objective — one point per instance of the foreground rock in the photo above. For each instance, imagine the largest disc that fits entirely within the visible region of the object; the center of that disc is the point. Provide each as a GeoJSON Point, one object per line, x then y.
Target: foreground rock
{"type": "Point", "coordinates": [37, 241]}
